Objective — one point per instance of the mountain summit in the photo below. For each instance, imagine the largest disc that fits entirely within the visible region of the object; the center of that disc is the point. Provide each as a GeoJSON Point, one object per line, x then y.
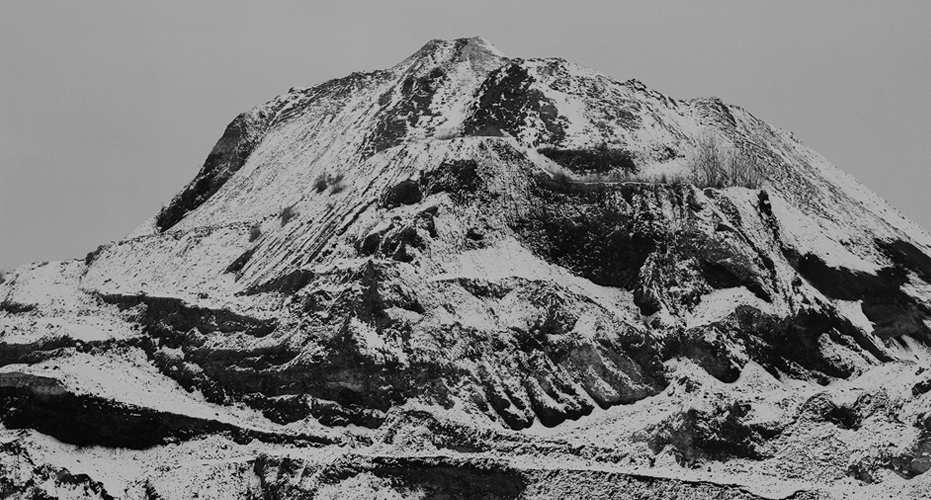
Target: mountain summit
{"type": "Point", "coordinates": [482, 277]}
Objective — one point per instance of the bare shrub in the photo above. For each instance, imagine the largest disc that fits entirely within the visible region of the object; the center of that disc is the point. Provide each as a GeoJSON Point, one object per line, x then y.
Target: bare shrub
{"type": "Point", "coordinates": [255, 231]}
{"type": "Point", "coordinates": [286, 214]}
{"type": "Point", "coordinates": [338, 185]}
{"type": "Point", "coordinates": [321, 183]}
{"type": "Point", "coordinates": [324, 181]}
{"type": "Point", "coordinates": [747, 169]}
{"type": "Point", "coordinates": [716, 165]}
{"type": "Point", "coordinates": [709, 162]}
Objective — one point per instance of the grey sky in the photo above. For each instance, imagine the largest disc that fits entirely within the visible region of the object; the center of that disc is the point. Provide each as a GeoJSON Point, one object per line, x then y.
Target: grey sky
{"type": "Point", "coordinates": [108, 108]}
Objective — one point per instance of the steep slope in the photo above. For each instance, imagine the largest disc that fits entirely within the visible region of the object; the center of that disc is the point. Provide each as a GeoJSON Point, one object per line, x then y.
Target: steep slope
{"type": "Point", "coordinates": [472, 269]}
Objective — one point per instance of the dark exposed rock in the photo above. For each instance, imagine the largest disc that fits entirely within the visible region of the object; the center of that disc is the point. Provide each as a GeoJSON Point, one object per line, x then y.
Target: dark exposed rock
{"type": "Point", "coordinates": [406, 192]}
{"type": "Point", "coordinates": [282, 409]}
{"type": "Point", "coordinates": [91, 256]}
{"type": "Point", "coordinates": [600, 159]}
{"type": "Point", "coordinates": [230, 153]}
{"type": "Point", "coordinates": [695, 435]}
{"type": "Point", "coordinates": [62, 346]}
{"type": "Point", "coordinates": [647, 301]}
{"type": "Point", "coordinates": [764, 204]}
{"type": "Point", "coordinates": [846, 284]}
{"type": "Point", "coordinates": [402, 107]}
{"type": "Point", "coordinates": [780, 345]}
{"type": "Point", "coordinates": [506, 102]}
{"type": "Point", "coordinates": [91, 420]}
{"type": "Point", "coordinates": [287, 284]}
{"type": "Point", "coordinates": [600, 241]}
{"type": "Point", "coordinates": [14, 307]}
{"type": "Point", "coordinates": [459, 178]}
{"type": "Point", "coordinates": [167, 317]}
{"type": "Point", "coordinates": [906, 255]}
{"type": "Point", "coordinates": [892, 312]}
{"type": "Point", "coordinates": [921, 387]}
{"type": "Point", "coordinates": [787, 343]}
{"type": "Point", "coordinates": [475, 234]}
{"type": "Point", "coordinates": [240, 261]}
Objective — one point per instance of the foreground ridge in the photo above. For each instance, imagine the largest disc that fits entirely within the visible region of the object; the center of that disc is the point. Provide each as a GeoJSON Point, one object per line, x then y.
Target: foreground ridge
{"type": "Point", "coordinates": [481, 276]}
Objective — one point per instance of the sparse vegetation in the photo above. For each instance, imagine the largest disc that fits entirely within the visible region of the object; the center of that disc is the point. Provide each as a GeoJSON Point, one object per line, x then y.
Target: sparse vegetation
{"type": "Point", "coordinates": [255, 231]}
{"type": "Point", "coordinates": [708, 162]}
{"type": "Point", "coordinates": [324, 181]}
{"type": "Point", "coordinates": [338, 185]}
{"type": "Point", "coordinates": [749, 170]}
{"type": "Point", "coordinates": [716, 165]}
{"type": "Point", "coordinates": [286, 214]}
{"type": "Point", "coordinates": [321, 183]}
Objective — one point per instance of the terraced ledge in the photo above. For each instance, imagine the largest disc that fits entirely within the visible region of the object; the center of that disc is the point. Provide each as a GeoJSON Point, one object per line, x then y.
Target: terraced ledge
{"type": "Point", "coordinates": [173, 314]}
{"type": "Point", "coordinates": [43, 404]}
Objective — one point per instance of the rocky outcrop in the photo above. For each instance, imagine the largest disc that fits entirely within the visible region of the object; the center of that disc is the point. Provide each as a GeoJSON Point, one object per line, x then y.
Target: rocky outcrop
{"type": "Point", "coordinates": [227, 157]}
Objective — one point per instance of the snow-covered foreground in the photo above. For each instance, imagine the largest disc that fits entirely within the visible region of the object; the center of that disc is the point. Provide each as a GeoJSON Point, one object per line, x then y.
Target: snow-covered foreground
{"type": "Point", "coordinates": [810, 457]}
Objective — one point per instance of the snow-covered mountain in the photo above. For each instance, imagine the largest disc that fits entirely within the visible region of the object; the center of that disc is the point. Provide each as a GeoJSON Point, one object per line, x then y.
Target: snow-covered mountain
{"type": "Point", "coordinates": [484, 277]}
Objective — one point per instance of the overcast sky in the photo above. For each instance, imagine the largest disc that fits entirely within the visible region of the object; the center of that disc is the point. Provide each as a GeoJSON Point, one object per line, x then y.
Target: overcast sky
{"type": "Point", "coordinates": [107, 109]}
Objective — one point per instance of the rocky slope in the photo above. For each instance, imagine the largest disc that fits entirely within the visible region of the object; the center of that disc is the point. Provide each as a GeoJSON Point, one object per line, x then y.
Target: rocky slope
{"type": "Point", "coordinates": [484, 277]}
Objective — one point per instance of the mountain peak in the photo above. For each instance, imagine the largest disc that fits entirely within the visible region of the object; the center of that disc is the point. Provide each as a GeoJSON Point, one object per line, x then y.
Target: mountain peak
{"type": "Point", "coordinates": [476, 50]}
{"type": "Point", "coordinates": [468, 45]}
